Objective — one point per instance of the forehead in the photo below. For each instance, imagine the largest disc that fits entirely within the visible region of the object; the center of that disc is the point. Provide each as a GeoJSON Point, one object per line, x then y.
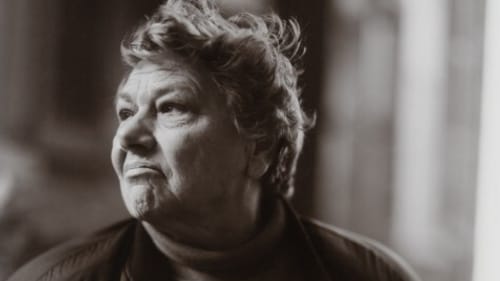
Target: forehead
{"type": "Point", "coordinates": [168, 72]}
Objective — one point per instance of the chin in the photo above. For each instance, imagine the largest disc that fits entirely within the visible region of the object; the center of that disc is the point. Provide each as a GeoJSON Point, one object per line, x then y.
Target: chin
{"type": "Point", "coordinates": [139, 200]}
{"type": "Point", "coordinates": [139, 211]}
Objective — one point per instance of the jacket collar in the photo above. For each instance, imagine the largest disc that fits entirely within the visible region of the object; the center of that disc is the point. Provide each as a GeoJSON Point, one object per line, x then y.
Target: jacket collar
{"type": "Point", "coordinates": [305, 243]}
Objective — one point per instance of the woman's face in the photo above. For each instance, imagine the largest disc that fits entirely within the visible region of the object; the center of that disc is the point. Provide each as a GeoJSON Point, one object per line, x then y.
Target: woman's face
{"type": "Point", "coordinates": [177, 153]}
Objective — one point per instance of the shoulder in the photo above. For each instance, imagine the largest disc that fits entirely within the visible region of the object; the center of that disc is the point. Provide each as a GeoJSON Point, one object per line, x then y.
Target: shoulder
{"type": "Point", "coordinates": [346, 254]}
{"type": "Point", "coordinates": [92, 255]}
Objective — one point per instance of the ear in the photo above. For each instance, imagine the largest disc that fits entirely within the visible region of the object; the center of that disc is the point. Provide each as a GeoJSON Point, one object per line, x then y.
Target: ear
{"type": "Point", "coordinates": [258, 161]}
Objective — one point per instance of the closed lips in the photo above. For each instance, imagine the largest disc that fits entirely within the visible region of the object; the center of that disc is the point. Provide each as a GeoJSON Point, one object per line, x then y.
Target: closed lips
{"type": "Point", "coordinates": [136, 168]}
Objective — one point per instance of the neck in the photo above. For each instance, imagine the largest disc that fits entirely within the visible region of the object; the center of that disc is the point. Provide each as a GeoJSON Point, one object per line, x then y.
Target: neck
{"type": "Point", "coordinates": [186, 258]}
{"type": "Point", "coordinates": [224, 226]}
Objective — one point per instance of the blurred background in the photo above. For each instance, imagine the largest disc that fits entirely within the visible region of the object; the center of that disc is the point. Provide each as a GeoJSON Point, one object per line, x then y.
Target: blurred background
{"type": "Point", "coordinates": [396, 85]}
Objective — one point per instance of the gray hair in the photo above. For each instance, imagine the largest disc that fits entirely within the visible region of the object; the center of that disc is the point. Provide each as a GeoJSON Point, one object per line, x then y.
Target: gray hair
{"type": "Point", "coordinates": [253, 59]}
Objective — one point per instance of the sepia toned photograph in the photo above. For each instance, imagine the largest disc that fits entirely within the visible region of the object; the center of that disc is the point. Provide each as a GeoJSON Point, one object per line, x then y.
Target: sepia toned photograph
{"type": "Point", "coordinates": [252, 140]}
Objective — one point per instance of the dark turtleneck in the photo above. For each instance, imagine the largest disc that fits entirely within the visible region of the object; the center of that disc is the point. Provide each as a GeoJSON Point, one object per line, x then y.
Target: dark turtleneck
{"type": "Point", "coordinates": [266, 256]}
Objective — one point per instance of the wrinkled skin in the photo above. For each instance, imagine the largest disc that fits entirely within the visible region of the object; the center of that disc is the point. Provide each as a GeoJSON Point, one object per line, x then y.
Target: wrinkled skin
{"type": "Point", "coordinates": [183, 167]}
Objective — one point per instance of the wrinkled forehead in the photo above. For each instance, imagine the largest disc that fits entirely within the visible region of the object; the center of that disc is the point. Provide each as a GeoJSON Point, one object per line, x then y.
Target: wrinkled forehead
{"type": "Point", "coordinates": [154, 74]}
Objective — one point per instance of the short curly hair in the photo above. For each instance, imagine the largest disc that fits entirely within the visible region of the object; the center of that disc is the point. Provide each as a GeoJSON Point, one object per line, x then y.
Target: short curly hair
{"type": "Point", "coordinates": [253, 60]}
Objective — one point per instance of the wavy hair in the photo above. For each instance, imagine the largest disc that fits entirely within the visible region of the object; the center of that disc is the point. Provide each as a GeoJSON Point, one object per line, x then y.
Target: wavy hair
{"type": "Point", "coordinates": [253, 60]}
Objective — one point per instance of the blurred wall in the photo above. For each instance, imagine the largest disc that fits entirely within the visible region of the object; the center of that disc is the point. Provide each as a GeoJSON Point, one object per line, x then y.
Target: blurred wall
{"type": "Point", "coordinates": [59, 68]}
{"type": "Point", "coordinates": [487, 244]}
{"type": "Point", "coordinates": [397, 141]}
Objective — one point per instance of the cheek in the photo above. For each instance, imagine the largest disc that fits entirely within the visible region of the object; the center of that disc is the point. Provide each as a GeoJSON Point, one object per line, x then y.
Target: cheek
{"type": "Point", "coordinates": [202, 157]}
{"type": "Point", "coordinates": [182, 154]}
{"type": "Point", "coordinates": [117, 157]}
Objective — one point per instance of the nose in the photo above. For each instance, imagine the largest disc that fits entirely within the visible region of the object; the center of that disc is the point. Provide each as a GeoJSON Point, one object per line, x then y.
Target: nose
{"type": "Point", "coordinates": [136, 136]}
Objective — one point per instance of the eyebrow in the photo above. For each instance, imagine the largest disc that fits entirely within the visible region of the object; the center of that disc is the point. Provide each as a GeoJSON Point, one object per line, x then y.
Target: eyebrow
{"type": "Point", "coordinates": [122, 96]}
{"type": "Point", "coordinates": [190, 84]}
{"type": "Point", "coordinates": [180, 82]}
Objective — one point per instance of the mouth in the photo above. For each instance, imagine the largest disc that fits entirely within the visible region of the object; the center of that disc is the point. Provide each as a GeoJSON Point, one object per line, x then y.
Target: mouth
{"type": "Point", "coordinates": [139, 168]}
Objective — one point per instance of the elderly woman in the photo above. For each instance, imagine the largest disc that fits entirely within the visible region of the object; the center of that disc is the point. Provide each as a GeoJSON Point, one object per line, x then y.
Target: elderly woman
{"type": "Point", "coordinates": [210, 128]}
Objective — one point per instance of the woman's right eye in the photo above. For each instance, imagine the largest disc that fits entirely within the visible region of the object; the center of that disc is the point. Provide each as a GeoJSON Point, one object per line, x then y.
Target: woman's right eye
{"type": "Point", "coordinates": [124, 114]}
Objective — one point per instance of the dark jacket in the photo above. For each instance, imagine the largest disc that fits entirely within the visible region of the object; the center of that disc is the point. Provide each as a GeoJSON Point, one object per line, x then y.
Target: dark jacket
{"type": "Point", "coordinates": [328, 254]}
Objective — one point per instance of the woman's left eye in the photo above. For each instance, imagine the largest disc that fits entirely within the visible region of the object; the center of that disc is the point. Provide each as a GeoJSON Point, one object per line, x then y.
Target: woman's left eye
{"type": "Point", "coordinates": [170, 107]}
